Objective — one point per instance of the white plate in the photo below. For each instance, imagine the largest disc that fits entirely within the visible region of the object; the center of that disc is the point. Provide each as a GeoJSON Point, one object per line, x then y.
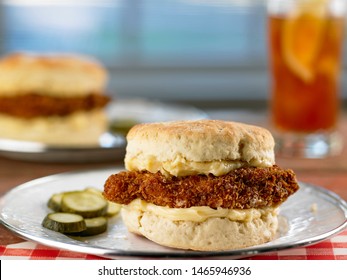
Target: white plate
{"type": "Point", "coordinates": [24, 207]}
{"type": "Point", "coordinates": [111, 146]}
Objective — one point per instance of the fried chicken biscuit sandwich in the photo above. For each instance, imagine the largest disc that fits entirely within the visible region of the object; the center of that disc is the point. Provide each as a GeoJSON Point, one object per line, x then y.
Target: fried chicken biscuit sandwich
{"type": "Point", "coordinates": [54, 99]}
{"type": "Point", "coordinates": [201, 185]}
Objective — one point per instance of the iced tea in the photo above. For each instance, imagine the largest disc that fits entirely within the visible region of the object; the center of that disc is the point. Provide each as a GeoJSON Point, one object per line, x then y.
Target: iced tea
{"type": "Point", "coordinates": [305, 52]}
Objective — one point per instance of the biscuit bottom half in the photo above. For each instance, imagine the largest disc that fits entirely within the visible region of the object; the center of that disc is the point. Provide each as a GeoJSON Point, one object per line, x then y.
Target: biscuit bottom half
{"type": "Point", "coordinates": [212, 234]}
{"type": "Point", "coordinates": [82, 128]}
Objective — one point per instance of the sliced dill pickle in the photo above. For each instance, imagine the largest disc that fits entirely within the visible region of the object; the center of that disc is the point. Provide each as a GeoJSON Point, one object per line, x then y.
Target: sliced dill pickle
{"type": "Point", "coordinates": [64, 222]}
{"type": "Point", "coordinates": [86, 204]}
{"type": "Point", "coordinates": [54, 201]}
{"type": "Point", "coordinates": [112, 208]}
{"type": "Point", "coordinates": [94, 226]}
{"type": "Point", "coordinates": [93, 190]}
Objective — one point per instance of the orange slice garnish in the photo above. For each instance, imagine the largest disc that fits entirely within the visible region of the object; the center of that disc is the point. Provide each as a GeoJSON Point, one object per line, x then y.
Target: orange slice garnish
{"type": "Point", "coordinates": [302, 38]}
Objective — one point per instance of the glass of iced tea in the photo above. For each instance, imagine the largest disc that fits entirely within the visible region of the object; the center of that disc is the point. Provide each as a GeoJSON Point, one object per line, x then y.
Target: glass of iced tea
{"type": "Point", "coordinates": [305, 51]}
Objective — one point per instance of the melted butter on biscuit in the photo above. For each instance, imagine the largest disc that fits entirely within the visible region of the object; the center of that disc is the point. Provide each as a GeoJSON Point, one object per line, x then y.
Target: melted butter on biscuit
{"type": "Point", "coordinates": [199, 213]}
{"type": "Point", "coordinates": [181, 167]}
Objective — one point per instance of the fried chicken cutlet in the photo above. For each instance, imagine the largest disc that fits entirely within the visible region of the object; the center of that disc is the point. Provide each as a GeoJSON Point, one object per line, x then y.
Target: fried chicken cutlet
{"type": "Point", "coordinates": [242, 188]}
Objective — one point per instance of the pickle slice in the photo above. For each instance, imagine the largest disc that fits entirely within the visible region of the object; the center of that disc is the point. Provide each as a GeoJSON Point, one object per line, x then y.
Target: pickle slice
{"type": "Point", "coordinates": [54, 201]}
{"type": "Point", "coordinates": [94, 226]}
{"type": "Point", "coordinates": [64, 222]}
{"type": "Point", "coordinates": [112, 208]}
{"type": "Point", "coordinates": [93, 190]}
{"type": "Point", "coordinates": [86, 204]}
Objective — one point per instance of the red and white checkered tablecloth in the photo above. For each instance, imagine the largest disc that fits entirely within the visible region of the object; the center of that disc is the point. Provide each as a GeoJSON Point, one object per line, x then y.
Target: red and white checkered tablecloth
{"type": "Point", "coordinates": [331, 249]}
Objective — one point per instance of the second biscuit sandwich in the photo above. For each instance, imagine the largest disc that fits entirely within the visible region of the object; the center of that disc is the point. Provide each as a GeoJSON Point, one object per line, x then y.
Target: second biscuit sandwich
{"type": "Point", "coordinates": [54, 99]}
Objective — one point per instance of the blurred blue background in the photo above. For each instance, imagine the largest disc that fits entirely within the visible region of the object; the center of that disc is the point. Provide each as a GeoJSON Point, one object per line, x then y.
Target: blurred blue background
{"type": "Point", "coordinates": [205, 52]}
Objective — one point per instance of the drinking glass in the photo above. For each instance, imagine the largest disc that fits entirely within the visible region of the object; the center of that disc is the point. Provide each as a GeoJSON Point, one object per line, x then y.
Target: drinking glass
{"type": "Point", "coordinates": [305, 51]}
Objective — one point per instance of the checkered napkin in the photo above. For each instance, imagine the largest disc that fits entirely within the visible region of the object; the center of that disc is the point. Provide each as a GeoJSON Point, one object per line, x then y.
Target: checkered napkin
{"type": "Point", "coordinates": [331, 249]}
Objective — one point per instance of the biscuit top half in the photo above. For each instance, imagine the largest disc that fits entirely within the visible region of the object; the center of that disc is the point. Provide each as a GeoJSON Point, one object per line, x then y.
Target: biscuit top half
{"type": "Point", "coordinates": [60, 75]}
{"type": "Point", "coordinates": [184, 148]}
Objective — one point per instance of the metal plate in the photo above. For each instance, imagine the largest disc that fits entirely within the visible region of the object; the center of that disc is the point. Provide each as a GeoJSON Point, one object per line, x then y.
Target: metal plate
{"type": "Point", "coordinates": [24, 207]}
{"type": "Point", "coordinates": [111, 145]}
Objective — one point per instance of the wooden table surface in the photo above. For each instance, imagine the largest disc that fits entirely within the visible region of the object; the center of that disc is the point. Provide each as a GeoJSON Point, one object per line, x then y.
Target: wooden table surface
{"type": "Point", "coordinates": [328, 173]}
